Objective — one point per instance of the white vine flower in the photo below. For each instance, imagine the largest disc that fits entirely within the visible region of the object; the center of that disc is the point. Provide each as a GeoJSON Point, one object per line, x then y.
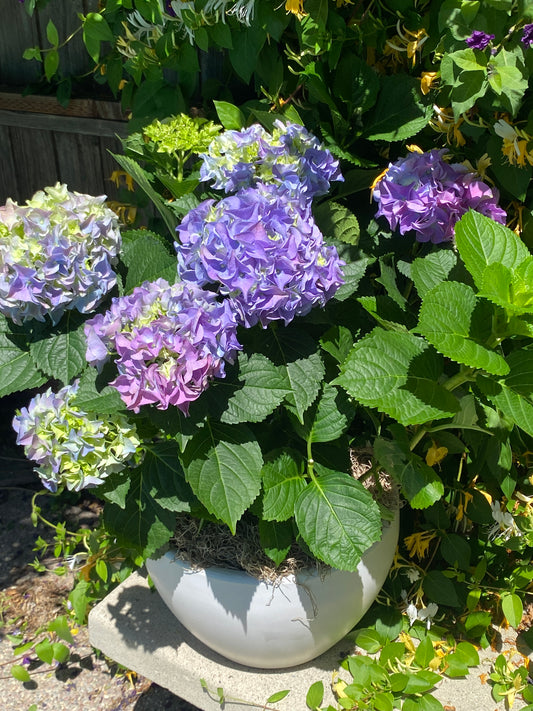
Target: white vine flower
{"type": "Point", "coordinates": [505, 525]}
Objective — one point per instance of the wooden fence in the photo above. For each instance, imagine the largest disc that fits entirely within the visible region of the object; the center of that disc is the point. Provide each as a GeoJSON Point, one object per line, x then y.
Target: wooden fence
{"type": "Point", "coordinates": [41, 142]}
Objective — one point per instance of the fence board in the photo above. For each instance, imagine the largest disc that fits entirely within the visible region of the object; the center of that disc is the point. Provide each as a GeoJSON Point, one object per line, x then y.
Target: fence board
{"type": "Point", "coordinates": [8, 171]}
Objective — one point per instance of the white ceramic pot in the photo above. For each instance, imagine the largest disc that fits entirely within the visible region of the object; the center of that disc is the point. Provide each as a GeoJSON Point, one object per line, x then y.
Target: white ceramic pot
{"type": "Point", "coordinates": [272, 626]}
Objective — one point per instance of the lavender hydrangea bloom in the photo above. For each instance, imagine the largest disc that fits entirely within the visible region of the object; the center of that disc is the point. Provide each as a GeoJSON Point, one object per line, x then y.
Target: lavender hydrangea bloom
{"type": "Point", "coordinates": [424, 193]}
{"type": "Point", "coordinates": [479, 40]}
{"type": "Point", "coordinates": [56, 252]}
{"type": "Point", "coordinates": [290, 157]}
{"type": "Point", "coordinates": [264, 251]}
{"type": "Point", "coordinates": [170, 341]}
{"type": "Point", "coordinates": [72, 447]}
{"type": "Point", "coordinates": [527, 35]}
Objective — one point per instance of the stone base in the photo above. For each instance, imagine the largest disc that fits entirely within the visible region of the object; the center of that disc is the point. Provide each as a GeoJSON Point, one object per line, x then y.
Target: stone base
{"type": "Point", "coordinates": [133, 626]}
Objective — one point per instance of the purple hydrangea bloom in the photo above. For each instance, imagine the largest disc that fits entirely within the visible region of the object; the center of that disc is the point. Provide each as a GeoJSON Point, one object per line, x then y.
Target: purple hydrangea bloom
{"type": "Point", "coordinates": [170, 342]}
{"type": "Point", "coordinates": [424, 193]}
{"type": "Point", "coordinates": [57, 252]}
{"type": "Point", "coordinates": [290, 158]}
{"type": "Point", "coordinates": [479, 40]}
{"type": "Point", "coordinates": [264, 251]}
{"type": "Point", "coordinates": [527, 35]}
{"type": "Point", "coordinates": [72, 447]}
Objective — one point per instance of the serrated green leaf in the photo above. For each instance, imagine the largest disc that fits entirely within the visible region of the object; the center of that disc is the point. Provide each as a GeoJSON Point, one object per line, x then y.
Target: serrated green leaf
{"type": "Point", "coordinates": [421, 485]}
{"type": "Point", "coordinates": [91, 398]}
{"type": "Point", "coordinates": [482, 241]}
{"type": "Point", "coordinates": [338, 342]}
{"type": "Point", "coordinates": [264, 387]}
{"type": "Point", "coordinates": [446, 319]}
{"type": "Point", "coordinates": [334, 415]}
{"type": "Point", "coordinates": [338, 519]}
{"type": "Point", "coordinates": [276, 539]}
{"type": "Point", "coordinates": [509, 289]}
{"type": "Point", "coordinates": [397, 373]}
{"type": "Point", "coordinates": [282, 484]}
{"type": "Point", "coordinates": [512, 403]}
{"type": "Point", "coordinates": [223, 466]}
{"type": "Point", "coordinates": [401, 110]}
{"type": "Point", "coordinates": [512, 608]}
{"type": "Point", "coordinates": [148, 259]}
{"type": "Point", "coordinates": [432, 269]}
{"type": "Point", "coordinates": [337, 222]}
{"type": "Point", "coordinates": [17, 368]}
{"type": "Point", "coordinates": [61, 353]}
{"type": "Point", "coordinates": [352, 272]}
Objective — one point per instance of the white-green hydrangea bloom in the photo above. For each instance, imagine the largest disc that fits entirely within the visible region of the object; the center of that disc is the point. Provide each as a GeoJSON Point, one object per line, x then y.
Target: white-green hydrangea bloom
{"type": "Point", "coordinates": [74, 448]}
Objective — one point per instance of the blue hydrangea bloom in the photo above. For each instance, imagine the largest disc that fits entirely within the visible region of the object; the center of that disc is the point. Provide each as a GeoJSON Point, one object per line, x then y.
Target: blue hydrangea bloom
{"type": "Point", "coordinates": [263, 250]}
{"type": "Point", "coordinates": [424, 193]}
{"type": "Point", "coordinates": [57, 252]}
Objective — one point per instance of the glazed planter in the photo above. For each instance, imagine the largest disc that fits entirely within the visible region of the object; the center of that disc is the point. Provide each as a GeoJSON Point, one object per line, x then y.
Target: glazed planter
{"type": "Point", "coordinates": [267, 625]}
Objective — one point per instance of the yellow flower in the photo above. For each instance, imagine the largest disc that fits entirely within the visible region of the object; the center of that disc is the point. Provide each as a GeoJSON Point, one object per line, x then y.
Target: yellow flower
{"type": "Point", "coordinates": [515, 143]}
{"type": "Point", "coordinates": [418, 543]}
{"type": "Point", "coordinates": [435, 454]}
{"type": "Point", "coordinates": [406, 41]}
{"type": "Point", "coordinates": [444, 122]}
{"type": "Point", "coordinates": [414, 148]}
{"type": "Point", "coordinates": [428, 81]}
{"type": "Point", "coordinates": [465, 498]}
{"type": "Point", "coordinates": [117, 176]}
{"type": "Point", "coordinates": [296, 7]}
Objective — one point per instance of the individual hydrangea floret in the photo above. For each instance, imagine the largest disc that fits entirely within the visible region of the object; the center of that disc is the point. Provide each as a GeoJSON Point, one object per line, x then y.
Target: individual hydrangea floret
{"type": "Point", "coordinates": [57, 252]}
{"type": "Point", "coordinates": [527, 35]}
{"type": "Point", "coordinates": [171, 341]}
{"type": "Point", "coordinates": [479, 40]}
{"type": "Point", "coordinates": [73, 448]}
{"type": "Point", "coordinates": [290, 157]}
{"type": "Point", "coordinates": [424, 193]}
{"type": "Point", "coordinates": [263, 250]}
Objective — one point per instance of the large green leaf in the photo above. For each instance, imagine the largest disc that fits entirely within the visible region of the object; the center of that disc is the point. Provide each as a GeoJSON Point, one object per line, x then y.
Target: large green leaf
{"type": "Point", "coordinates": [17, 368]}
{"type": "Point", "coordinates": [223, 466]}
{"type": "Point", "coordinates": [329, 418]}
{"type": "Point", "coordinates": [147, 259]}
{"type": "Point", "coordinates": [447, 318]}
{"type": "Point", "coordinates": [282, 484]}
{"type": "Point", "coordinates": [481, 242]}
{"type": "Point", "coordinates": [512, 290]}
{"type": "Point", "coordinates": [264, 387]}
{"type": "Point", "coordinates": [276, 539]}
{"type": "Point", "coordinates": [401, 110]}
{"type": "Point", "coordinates": [297, 355]}
{"type": "Point", "coordinates": [61, 353]}
{"type": "Point", "coordinates": [93, 398]}
{"type": "Point", "coordinates": [397, 373]}
{"type": "Point", "coordinates": [432, 269]}
{"type": "Point", "coordinates": [247, 43]}
{"type": "Point", "coordinates": [421, 486]}
{"type": "Point", "coordinates": [338, 519]}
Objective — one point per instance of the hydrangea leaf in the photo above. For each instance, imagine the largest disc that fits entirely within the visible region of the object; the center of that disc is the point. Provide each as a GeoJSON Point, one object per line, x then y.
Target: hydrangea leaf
{"type": "Point", "coordinates": [421, 485]}
{"type": "Point", "coordinates": [329, 417]}
{"type": "Point", "coordinates": [482, 241]}
{"type": "Point", "coordinates": [276, 539]}
{"type": "Point", "coordinates": [337, 222]}
{"type": "Point", "coordinates": [160, 264]}
{"type": "Point", "coordinates": [17, 368]}
{"type": "Point", "coordinates": [428, 271]}
{"type": "Point", "coordinates": [513, 395]}
{"type": "Point", "coordinates": [338, 519]}
{"type": "Point", "coordinates": [61, 354]}
{"type": "Point", "coordinates": [282, 484]}
{"type": "Point", "coordinates": [397, 373]}
{"type": "Point", "coordinates": [447, 319]}
{"type": "Point", "coordinates": [338, 342]}
{"type": "Point", "coordinates": [264, 387]}
{"type": "Point", "coordinates": [223, 466]}
{"type": "Point", "coordinates": [93, 399]}
{"type": "Point", "coordinates": [509, 289]}
{"type": "Point", "coordinates": [395, 118]}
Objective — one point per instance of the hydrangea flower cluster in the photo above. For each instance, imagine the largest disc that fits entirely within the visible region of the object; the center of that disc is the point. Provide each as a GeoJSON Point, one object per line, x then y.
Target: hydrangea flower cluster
{"type": "Point", "coordinates": [56, 252]}
{"type": "Point", "coordinates": [72, 447]}
{"type": "Point", "coordinates": [264, 251]}
{"type": "Point", "coordinates": [170, 341]}
{"type": "Point", "coordinates": [527, 35]}
{"type": "Point", "coordinates": [424, 193]}
{"type": "Point", "coordinates": [290, 157]}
